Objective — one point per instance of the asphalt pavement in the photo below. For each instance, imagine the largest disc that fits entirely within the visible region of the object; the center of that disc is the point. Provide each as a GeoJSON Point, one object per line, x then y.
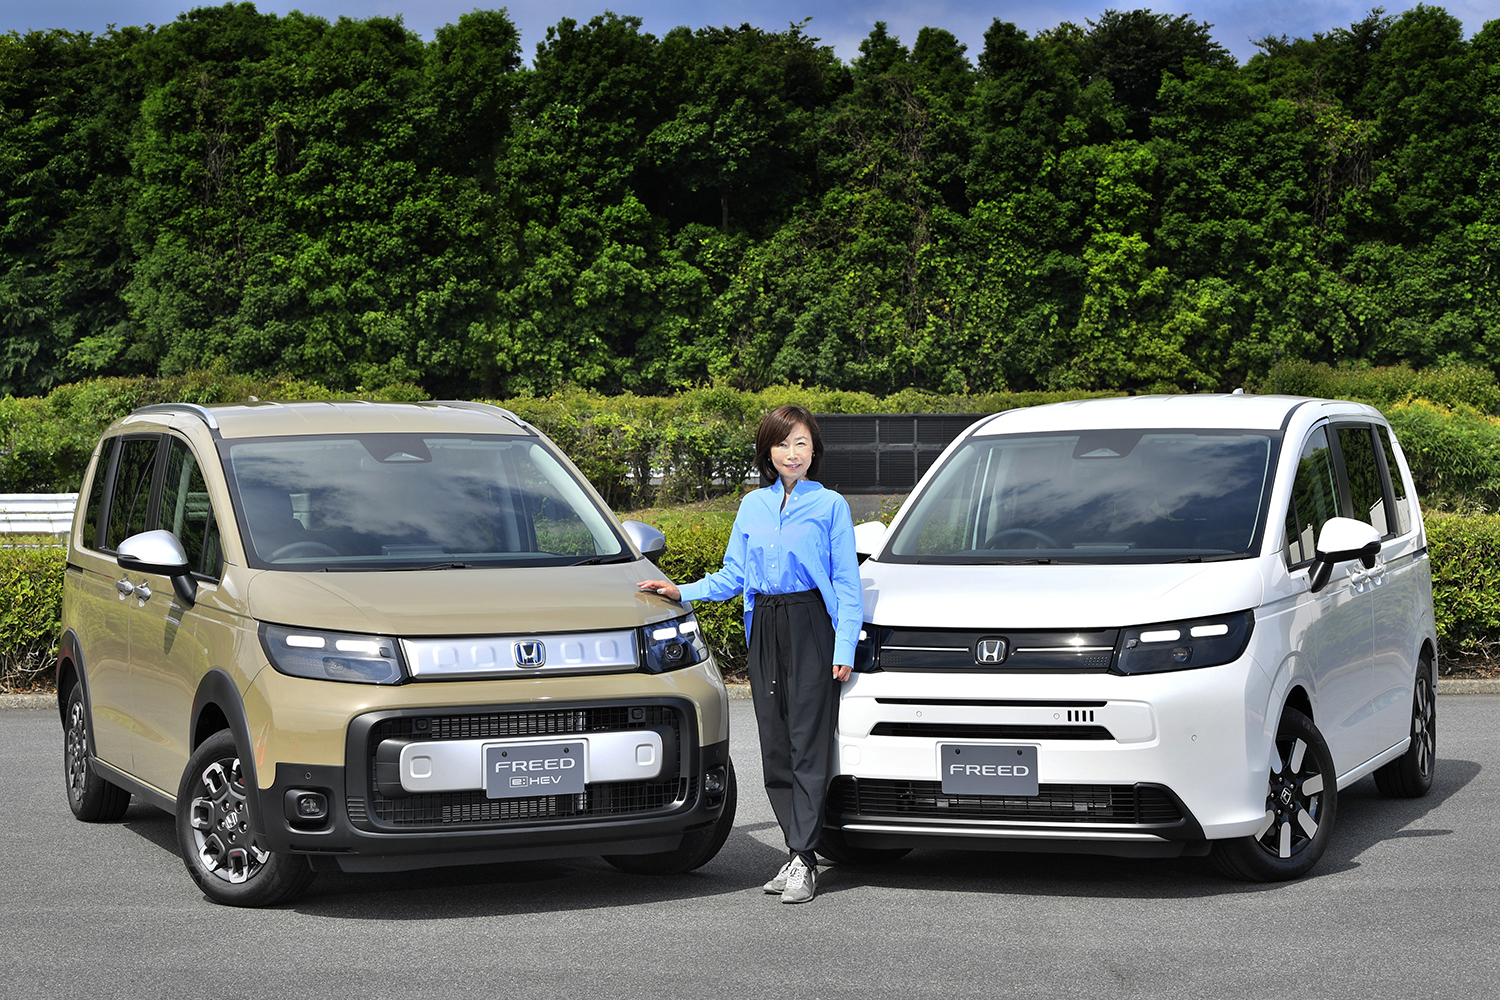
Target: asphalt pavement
{"type": "Point", "coordinates": [1406, 903]}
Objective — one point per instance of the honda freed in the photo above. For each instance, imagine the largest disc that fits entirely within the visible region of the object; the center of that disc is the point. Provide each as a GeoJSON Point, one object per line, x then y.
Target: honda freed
{"type": "Point", "coordinates": [371, 637]}
{"type": "Point", "coordinates": [1149, 626]}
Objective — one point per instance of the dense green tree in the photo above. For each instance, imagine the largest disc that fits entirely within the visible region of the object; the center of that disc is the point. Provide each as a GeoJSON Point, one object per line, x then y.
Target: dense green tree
{"type": "Point", "coordinates": [1116, 204]}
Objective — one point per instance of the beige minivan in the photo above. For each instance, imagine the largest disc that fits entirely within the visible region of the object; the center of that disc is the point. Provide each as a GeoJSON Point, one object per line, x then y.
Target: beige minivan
{"type": "Point", "coordinates": [374, 637]}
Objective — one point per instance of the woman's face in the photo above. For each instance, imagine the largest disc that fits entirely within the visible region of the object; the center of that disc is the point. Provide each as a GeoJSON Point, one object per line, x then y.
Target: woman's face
{"type": "Point", "coordinates": [792, 456]}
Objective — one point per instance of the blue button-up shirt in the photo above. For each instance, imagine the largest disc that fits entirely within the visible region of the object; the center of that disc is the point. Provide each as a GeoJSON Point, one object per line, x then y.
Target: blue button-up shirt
{"type": "Point", "coordinates": [807, 544]}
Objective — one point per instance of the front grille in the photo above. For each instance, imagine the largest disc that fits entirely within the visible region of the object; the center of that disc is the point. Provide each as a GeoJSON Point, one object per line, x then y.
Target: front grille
{"type": "Point", "coordinates": [1070, 651]}
{"type": "Point", "coordinates": [1141, 805]}
{"type": "Point", "coordinates": [961, 731]}
{"type": "Point", "coordinates": [471, 808]}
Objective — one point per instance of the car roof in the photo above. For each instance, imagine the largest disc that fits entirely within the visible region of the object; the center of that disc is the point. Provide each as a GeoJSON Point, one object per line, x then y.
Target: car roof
{"type": "Point", "coordinates": [344, 416]}
{"type": "Point", "coordinates": [1229, 411]}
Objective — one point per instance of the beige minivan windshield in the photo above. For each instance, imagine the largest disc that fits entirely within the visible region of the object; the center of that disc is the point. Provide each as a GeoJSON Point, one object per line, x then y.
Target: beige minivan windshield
{"type": "Point", "coordinates": [375, 501]}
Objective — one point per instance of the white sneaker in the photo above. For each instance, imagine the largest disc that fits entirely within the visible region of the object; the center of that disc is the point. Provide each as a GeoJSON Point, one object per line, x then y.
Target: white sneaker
{"type": "Point", "coordinates": [777, 885]}
{"type": "Point", "coordinates": [801, 882]}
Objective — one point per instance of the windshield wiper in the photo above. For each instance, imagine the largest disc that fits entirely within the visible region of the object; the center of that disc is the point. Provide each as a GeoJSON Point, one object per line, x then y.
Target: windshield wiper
{"type": "Point", "coordinates": [388, 568]}
{"type": "Point", "coordinates": [600, 560]}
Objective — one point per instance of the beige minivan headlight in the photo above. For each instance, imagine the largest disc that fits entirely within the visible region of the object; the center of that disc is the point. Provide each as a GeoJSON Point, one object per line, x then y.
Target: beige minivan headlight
{"type": "Point", "coordinates": [333, 656]}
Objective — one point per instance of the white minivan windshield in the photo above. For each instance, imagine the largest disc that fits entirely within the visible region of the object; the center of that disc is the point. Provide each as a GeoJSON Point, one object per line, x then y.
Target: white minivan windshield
{"type": "Point", "coordinates": [1099, 496]}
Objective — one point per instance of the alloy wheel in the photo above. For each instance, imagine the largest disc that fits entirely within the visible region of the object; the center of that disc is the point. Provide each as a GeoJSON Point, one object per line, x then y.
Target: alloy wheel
{"type": "Point", "coordinates": [77, 751]}
{"type": "Point", "coordinates": [1294, 800]}
{"type": "Point", "coordinates": [220, 818]}
{"type": "Point", "coordinates": [1424, 726]}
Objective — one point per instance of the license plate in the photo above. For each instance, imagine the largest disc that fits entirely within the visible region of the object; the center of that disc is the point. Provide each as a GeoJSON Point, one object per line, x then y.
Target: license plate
{"type": "Point", "coordinates": [972, 769]}
{"type": "Point", "coordinates": [522, 770]}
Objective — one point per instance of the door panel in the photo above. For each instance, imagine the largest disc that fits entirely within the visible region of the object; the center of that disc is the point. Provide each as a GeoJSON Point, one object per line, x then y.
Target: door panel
{"type": "Point", "coordinates": [108, 613]}
{"type": "Point", "coordinates": [1338, 638]}
{"type": "Point", "coordinates": [167, 660]}
{"type": "Point", "coordinates": [1403, 583]}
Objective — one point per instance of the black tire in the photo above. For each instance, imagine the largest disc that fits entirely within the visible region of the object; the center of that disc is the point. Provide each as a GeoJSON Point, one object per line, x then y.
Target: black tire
{"type": "Point", "coordinates": [1410, 775]}
{"type": "Point", "coordinates": [836, 848]}
{"type": "Point", "coordinates": [697, 849]}
{"type": "Point", "coordinates": [92, 798]}
{"type": "Point", "coordinates": [1301, 805]}
{"type": "Point", "coordinates": [214, 836]}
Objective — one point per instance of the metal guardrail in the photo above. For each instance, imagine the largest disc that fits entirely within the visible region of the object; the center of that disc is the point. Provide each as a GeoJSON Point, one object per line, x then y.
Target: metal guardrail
{"type": "Point", "coordinates": [37, 513]}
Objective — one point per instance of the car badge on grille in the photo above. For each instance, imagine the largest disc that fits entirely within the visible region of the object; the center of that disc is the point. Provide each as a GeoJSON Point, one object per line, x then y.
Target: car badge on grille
{"type": "Point", "coordinates": [530, 654]}
{"type": "Point", "coordinates": [988, 651]}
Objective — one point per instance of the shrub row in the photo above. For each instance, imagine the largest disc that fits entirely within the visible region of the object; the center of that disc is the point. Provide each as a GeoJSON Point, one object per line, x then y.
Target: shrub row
{"type": "Point", "coordinates": [1465, 585]}
{"type": "Point", "coordinates": [1456, 386]}
{"type": "Point", "coordinates": [31, 579]}
{"type": "Point", "coordinates": [635, 449]}
{"type": "Point", "coordinates": [643, 450]}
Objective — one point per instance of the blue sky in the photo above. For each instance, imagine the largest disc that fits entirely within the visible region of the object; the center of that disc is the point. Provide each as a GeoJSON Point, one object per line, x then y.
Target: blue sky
{"type": "Point", "coordinates": [840, 24]}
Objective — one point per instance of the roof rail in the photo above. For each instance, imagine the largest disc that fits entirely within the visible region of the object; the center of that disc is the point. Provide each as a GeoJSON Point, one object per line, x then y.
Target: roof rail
{"type": "Point", "coordinates": [466, 404]}
{"type": "Point", "coordinates": [203, 413]}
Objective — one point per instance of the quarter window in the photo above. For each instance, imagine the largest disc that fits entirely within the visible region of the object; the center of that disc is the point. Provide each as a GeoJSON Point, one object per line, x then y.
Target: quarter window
{"type": "Point", "coordinates": [187, 513]}
{"type": "Point", "coordinates": [1400, 503]}
{"type": "Point", "coordinates": [1365, 492]}
{"type": "Point", "coordinates": [94, 506]}
{"type": "Point", "coordinates": [132, 496]}
{"type": "Point", "coordinates": [1315, 498]}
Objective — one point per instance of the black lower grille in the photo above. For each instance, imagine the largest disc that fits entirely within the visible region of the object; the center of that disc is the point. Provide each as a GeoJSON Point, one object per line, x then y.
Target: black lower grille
{"type": "Point", "coordinates": [449, 809]}
{"type": "Point", "coordinates": [1134, 804]}
{"type": "Point", "coordinates": [962, 731]}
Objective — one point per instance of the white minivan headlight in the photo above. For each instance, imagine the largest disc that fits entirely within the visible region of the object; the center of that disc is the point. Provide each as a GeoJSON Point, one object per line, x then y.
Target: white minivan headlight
{"type": "Point", "coordinates": [332, 656]}
{"type": "Point", "coordinates": [1185, 645]}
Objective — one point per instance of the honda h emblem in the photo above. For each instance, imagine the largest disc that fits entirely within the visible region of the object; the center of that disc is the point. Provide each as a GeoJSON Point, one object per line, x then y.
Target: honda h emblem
{"type": "Point", "coordinates": [989, 651]}
{"type": "Point", "coordinates": [530, 654]}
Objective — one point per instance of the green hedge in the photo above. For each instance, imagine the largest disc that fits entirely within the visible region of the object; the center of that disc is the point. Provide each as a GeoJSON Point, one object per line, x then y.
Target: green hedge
{"type": "Point", "coordinates": [1455, 386]}
{"type": "Point", "coordinates": [31, 580]}
{"type": "Point", "coordinates": [1465, 584]}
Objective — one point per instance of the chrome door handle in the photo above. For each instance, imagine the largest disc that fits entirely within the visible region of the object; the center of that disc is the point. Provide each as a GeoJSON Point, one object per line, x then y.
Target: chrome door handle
{"type": "Point", "coordinates": [125, 587]}
{"type": "Point", "coordinates": [143, 592]}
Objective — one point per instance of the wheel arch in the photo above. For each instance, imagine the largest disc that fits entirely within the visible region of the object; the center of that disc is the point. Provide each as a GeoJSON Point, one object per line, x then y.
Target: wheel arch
{"type": "Point", "coordinates": [69, 672]}
{"type": "Point", "coordinates": [218, 705]}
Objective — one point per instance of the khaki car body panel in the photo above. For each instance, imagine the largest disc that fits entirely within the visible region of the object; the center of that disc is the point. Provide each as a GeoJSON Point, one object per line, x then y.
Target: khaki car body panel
{"type": "Point", "coordinates": [293, 719]}
{"type": "Point", "coordinates": [460, 602]}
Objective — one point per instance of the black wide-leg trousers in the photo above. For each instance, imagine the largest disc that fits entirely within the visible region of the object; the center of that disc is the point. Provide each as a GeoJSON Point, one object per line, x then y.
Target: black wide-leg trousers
{"type": "Point", "coordinates": [796, 710]}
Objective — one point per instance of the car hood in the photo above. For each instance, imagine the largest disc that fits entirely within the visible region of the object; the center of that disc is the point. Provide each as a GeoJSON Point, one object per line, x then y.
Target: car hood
{"type": "Point", "coordinates": [1059, 596]}
{"type": "Point", "coordinates": [462, 601]}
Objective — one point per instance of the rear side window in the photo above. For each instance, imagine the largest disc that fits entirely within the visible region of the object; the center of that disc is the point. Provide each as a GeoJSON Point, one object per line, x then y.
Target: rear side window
{"type": "Point", "coordinates": [1401, 522]}
{"type": "Point", "coordinates": [132, 494]}
{"type": "Point", "coordinates": [1366, 494]}
{"type": "Point", "coordinates": [94, 505]}
{"type": "Point", "coordinates": [1315, 498]}
{"type": "Point", "coordinates": [186, 511]}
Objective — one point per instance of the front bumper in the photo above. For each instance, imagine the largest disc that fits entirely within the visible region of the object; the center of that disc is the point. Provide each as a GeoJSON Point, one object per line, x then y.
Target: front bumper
{"type": "Point", "coordinates": [367, 829]}
{"type": "Point", "coordinates": [1150, 765]}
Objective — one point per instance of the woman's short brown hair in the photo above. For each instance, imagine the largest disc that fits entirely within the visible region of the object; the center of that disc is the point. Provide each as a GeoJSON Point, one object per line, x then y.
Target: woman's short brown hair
{"type": "Point", "coordinates": [776, 427]}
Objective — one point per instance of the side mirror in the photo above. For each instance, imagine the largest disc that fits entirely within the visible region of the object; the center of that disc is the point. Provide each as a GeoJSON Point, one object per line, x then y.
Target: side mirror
{"type": "Point", "coordinates": [159, 552]}
{"type": "Point", "coordinates": [652, 543]}
{"type": "Point", "coordinates": [868, 537]}
{"type": "Point", "coordinates": [1341, 540]}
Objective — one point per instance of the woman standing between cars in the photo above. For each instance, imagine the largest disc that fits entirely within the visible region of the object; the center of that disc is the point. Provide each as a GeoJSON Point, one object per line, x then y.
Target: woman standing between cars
{"type": "Point", "coordinates": [791, 556]}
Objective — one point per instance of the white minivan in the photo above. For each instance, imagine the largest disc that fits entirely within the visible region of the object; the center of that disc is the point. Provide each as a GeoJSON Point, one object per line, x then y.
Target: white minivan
{"type": "Point", "coordinates": [1150, 626]}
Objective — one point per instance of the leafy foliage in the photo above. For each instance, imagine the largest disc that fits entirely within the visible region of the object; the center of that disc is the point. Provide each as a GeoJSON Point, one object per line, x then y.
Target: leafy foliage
{"type": "Point", "coordinates": [1108, 206]}
{"type": "Point", "coordinates": [31, 582]}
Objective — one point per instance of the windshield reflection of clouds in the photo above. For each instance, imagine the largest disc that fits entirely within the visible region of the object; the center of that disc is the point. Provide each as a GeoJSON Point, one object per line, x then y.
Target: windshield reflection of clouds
{"type": "Point", "coordinates": [327, 499]}
{"type": "Point", "coordinates": [1178, 493]}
